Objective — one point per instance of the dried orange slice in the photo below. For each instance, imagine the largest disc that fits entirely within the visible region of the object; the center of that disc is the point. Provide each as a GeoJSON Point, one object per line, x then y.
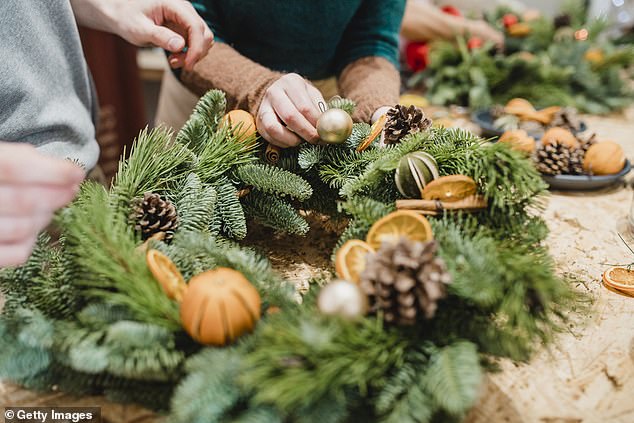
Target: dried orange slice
{"type": "Point", "coordinates": [350, 260]}
{"type": "Point", "coordinates": [619, 278]}
{"type": "Point", "coordinates": [375, 131]}
{"type": "Point", "coordinates": [167, 274]}
{"type": "Point", "coordinates": [450, 188]}
{"type": "Point", "coordinates": [401, 223]}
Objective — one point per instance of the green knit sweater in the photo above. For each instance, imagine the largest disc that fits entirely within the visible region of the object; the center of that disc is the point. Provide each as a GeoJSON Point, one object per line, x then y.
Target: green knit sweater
{"type": "Point", "coordinates": [314, 38]}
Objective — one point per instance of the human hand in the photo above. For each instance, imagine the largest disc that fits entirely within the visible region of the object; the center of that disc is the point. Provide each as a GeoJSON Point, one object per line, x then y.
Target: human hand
{"type": "Point", "coordinates": [486, 32]}
{"type": "Point", "coordinates": [32, 187]}
{"type": "Point", "coordinates": [169, 24]}
{"type": "Point", "coordinates": [289, 111]}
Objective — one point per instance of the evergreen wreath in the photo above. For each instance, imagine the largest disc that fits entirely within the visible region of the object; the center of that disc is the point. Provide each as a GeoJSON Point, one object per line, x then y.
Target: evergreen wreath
{"type": "Point", "coordinates": [85, 314]}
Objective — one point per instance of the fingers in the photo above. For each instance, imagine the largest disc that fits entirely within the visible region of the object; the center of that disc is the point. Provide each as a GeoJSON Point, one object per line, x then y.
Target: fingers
{"type": "Point", "coordinates": [167, 39]}
{"type": "Point", "coordinates": [177, 60]}
{"type": "Point", "coordinates": [272, 130]}
{"type": "Point", "coordinates": [22, 228]}
{"type": "Point", "coordinates": [306, 101]}
{"type": "Point", "coordinates": [14, 254]}
{"type": "Point", "coordinates": [22, 164]}
{"type": "Point", "coordinates": [199, 36]}
{"type": "Point", "coordinates": [292, 117]}
{"type": "Point", "coordinates": [28, 200]}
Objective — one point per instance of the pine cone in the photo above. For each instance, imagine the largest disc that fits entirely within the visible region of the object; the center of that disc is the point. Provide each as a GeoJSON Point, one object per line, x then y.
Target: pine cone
{"type": "Point", "coordinates": [562, 20]}
{"type": "Point", "coordinates": [152, 214]}
{"type": "Point", "coordinates": [587, 141]}
{"type": "Point", "coordinates": [567, 118]}
{"type": "Point", "coordinates": [402, 121]}
{"type": "Point", "coordinates": [575, 164]}
{"type": "Point", "coordinates": [497, 111]}
{"type": "Point", "coordinates": [405, 280]}
{"type": "Point", "coordinates": [553, 159]}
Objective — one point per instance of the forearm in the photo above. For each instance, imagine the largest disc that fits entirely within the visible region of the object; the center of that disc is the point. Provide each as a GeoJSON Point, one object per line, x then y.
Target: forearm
{"type": "Point", "coordinates": [96, 14]}
{"type": "Point", "coordinates": [372, 82]}
{"type": "Point", "coordinates": [223, 68]}
{"type": "Point", "coordinates": [424, 21]}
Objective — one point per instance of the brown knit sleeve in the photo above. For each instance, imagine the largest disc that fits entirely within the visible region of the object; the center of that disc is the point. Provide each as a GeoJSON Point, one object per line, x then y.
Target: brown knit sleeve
{"type": "Point", "coordinates": [372, 82]}
{"type": "Point", "coordinates": [223, 68]}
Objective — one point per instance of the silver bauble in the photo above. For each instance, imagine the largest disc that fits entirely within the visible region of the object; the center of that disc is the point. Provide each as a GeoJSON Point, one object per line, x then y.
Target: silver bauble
{"type": "Point", "coordinates": [344, 299]}
{"type": "Point", "coordinates": [334, 126]}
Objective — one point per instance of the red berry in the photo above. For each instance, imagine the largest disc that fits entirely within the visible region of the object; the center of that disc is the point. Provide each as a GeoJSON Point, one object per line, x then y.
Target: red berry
{"type": "Point", "coordinates": [509, 19]}
{"type": "Point", "coordinates": [474, 42]}
{"type": "Point", "coordinates": [417, 56]}
{"type": "Point", "coordinates": [450, 10]}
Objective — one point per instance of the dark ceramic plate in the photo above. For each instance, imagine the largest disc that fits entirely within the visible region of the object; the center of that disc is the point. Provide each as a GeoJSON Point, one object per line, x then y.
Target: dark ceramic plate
{"type": "Point", "coordinates": [585, 182]}
{"type": "Point", "coordinates": [484, 119]}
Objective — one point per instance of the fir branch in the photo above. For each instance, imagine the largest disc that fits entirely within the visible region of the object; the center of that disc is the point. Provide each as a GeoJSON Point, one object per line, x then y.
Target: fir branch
{"type": "Point", "coordinates": [274, 213]}
{"type": "Point", "coordinates": [229, 217]}
{"type": "Point", "coordinates": [454, 376]}
{"type": "Point", "coordinates": [273, 180]}
{"type": "Point", "coordinates": [209, 392]}
{"type": "Point", "coordinates": [342, 103]}
{"type": "Point", "coordinates": [195, 205]}
{"type": "Point", "coordinates": [104, 248]}
{"type": "Point", "coordinates": [194, 134]}
{"type": "Point", "coordinates": [154, 163]}
{"type": "Point", "coordinates": [310, 155]}
{"type": "Point", "coordinates": [296, 362]}
{"type": "Point", "coordinates": [222, 151]}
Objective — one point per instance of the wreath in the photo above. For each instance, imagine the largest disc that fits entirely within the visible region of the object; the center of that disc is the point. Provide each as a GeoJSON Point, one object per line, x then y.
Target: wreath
{"type": "Point", "coordinates": [149, 296]}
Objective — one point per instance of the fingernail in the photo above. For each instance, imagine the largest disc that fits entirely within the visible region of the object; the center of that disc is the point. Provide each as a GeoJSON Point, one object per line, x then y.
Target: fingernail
{"type": "Point", "coordinates": [174, 44]}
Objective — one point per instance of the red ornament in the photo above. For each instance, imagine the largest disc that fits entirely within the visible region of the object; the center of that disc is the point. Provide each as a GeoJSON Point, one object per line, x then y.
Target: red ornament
{"type": "Point", "coordinates": [417, 56]}
{"type": "Point", "coordinates": [450, 10]}
{"type": "Point", "coordinates": [474, 42]}
{"type": "Point", "coordinates": [509, 19]}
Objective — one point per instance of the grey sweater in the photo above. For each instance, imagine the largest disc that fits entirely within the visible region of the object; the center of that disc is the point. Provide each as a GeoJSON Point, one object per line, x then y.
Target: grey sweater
{"type": "Point", "coordinates": [46, 93]}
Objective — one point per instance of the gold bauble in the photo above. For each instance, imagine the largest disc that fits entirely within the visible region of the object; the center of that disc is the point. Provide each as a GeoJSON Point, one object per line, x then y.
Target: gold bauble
{"type": "Point", "coordinates": [334, 126]}
{"type": "Point", "coordinates": [344, 299]}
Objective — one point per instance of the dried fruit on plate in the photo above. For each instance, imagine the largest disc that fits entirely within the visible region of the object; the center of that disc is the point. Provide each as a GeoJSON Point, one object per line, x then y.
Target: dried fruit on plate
{"type": "Point", "coordinates": [604, 158]}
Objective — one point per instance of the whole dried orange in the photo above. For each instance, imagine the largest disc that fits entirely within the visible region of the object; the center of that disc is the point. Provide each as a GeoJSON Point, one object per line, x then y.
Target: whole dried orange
{"type": "Point", "coordinates": [375, 131]}
{"type": "Point", "coordinates": [241, 122]}
{"type": "Point", "coordinates": [167, 274]}
{"type": "Point", "coordinates": [450, 188]}
{"type": "Point", "coordinates": [619, 278]}
{"type": "Point", "coordinates": [401, 223]}
{"type": "Point", "coordinates": [350, 260]}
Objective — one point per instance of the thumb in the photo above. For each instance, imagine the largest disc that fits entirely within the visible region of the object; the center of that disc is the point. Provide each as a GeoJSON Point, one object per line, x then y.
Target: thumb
{"type": "Point", "coordinates": [167, 39]}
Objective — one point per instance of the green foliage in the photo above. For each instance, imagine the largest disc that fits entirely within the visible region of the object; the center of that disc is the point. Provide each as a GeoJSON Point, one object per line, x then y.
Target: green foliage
{"type": "Point", "coordinates": [556, 74]}
{"type": "Point", "coordinates": [297, 359]}
{"type": "Point", "coordinates": [221, 152]}
{"type": "Point", "coordinates": [229, 217]}
{"type": "Point", "coordinates": [104, 249]}
{"type": "Point", "coordinates": [154, 163]}
{"type": "Point", "coordinates": [453, 377]}
{"type": "Point", "coordinates": [342, 103]}
{"type": "Point", "coordinates": [274, 213]}
{"type": "Point", "coordinates": [195, 204]}
{"type": "Point", "coordinates": [272, 180]}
